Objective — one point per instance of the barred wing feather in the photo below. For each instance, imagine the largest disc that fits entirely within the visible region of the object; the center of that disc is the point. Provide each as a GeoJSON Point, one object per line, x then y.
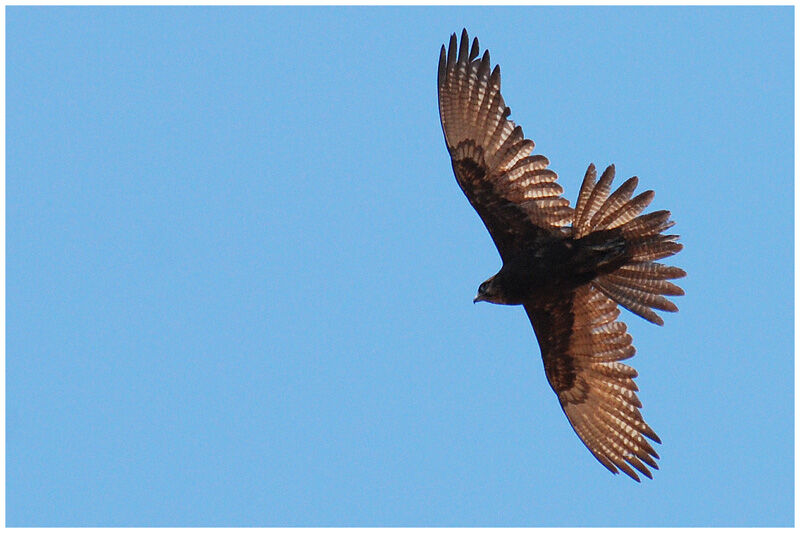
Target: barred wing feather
{"type": "Point", "coordinates": [582, 344]}
{"type": "Point", "coordinates": [514, 192]}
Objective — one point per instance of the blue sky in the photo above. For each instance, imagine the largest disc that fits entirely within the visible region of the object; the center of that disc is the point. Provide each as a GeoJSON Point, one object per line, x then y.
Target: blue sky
{"type": "Point", "coordinates": [240, 272]}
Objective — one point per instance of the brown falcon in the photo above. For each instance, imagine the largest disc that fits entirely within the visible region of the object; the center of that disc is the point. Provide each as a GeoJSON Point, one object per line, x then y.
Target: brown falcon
{"type": "Point", "coordinates": [569, 268]}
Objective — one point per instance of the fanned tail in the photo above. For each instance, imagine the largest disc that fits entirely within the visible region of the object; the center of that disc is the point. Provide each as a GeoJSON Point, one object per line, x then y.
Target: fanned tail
{"type": "Point", "coordinates": [641, 284]}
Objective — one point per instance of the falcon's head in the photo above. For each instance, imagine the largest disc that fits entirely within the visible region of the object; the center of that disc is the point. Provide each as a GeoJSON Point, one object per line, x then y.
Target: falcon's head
{"type": "Point", "coordinates": [489, 291]}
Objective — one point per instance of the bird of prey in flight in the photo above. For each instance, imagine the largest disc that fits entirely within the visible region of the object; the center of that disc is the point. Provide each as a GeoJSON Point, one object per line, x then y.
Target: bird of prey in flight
{"type": "Point", "coordinates": [568, 267]}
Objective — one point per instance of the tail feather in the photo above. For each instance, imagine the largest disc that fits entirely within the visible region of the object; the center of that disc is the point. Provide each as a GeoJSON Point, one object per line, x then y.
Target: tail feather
{"type": "Point", "coordinates": [653, 248]}
{"type": "Point", "coordinates": [608, 210]}
{"type": "Point", "coordinates": [627, 299]}
{"type": "Point", "coordinates": [641, 284]}
{"type": "Point", "coordinates": [649, 224]}
{"type": "Point", "coordinates": [587, 187]}
{"type": "Point", "coordinates": [648, 298]}
{"type": "Point", "coordinates": [627, 212]}
{"type": "Point", "coordinates": [654, 271]}
{"type": "Point", "coordinates": [652, 285]}
{"type": "Point", "coordinates": [596, 198]}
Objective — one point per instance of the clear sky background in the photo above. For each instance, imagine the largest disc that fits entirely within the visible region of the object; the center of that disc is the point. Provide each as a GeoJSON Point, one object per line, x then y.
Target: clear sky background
{"type": "Point", "coordinates": [240, 271]}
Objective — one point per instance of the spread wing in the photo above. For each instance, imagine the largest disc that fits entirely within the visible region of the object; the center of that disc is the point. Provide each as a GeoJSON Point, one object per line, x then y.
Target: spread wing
{"type": "Point", "coordinates": [582, 343]}
{"type": "Point", "coordinates": [514, 193]}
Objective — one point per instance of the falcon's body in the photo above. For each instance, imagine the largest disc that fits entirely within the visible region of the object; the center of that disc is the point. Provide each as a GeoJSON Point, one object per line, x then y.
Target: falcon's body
{"type": "Point", "coordinates": [568, 267]}
{"type": "Point", "coordinates": [555, 266]}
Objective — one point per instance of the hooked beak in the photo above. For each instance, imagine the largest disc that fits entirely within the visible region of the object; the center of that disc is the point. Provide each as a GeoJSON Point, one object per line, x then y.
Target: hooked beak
{"type": "Point", "coordinates": [478, 298]}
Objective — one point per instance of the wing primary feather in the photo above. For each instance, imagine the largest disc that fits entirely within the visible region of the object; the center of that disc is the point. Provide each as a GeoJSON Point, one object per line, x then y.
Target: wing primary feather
{"type": "Point", "coordinates": [494, 79]}
{"type": "Point", "coordinates": [464, 48]}
{"type": "Point", "coordinates": [637, 464]}
{"type": "Point", "coordinates": [473, 53]}
{"type": "Point", "coordinates": [442, 66]}
{"type": "Point", "coordinates": [486, 64]}
{"type": "Point", "coordinates": [581, 341]}
{"type": "Point", "coordinates": [452, 50]}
